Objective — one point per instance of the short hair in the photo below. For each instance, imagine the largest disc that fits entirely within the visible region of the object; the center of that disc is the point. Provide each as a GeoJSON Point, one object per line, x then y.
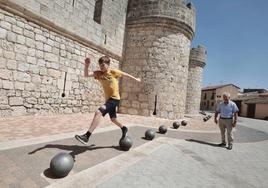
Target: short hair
{"type": "Point", "coordinates": [226, 94]}
{"type": "Point", "coordinates": [105, 59]}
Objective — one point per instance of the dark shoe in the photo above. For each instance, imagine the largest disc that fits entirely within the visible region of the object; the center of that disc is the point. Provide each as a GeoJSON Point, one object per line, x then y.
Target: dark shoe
{"type": "Point", "coordinates": [230, 147]}
{"type": "Point", "coordinates": [124, 132]}
{"type": "Point", "coordinates": [222, 144]}
{"type": "Point", "coordinates": [82, 138]}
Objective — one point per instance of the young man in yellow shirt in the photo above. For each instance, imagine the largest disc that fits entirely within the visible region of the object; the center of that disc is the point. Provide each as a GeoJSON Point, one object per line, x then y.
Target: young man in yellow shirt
{"type": "Point", "coordinates": [108, 79]}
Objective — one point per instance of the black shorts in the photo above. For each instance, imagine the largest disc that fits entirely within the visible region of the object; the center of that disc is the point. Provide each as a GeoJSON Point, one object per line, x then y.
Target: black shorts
{"type": "Point", "coordinates": [110, 107]}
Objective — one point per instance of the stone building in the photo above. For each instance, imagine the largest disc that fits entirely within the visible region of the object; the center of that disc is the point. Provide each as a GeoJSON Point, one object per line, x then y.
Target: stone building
{"type": "Point", "coordinates": [211, 96]}
{"type": "Point", "coordinates": [253, 103]}
{"type": "Point", "coordinates": [43, 45]}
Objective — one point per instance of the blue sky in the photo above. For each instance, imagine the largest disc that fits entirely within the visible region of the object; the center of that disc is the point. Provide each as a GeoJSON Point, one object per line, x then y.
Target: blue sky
{"type": "Point", "coordinates": [235, 33]}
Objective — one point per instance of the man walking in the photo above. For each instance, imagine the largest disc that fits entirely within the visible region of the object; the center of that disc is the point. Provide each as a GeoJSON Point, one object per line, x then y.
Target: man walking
{"type": "Point", "coordinates": [228, 117]}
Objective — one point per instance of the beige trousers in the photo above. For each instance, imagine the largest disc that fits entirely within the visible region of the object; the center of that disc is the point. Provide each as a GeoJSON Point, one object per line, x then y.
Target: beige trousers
{"type": "Point", "coordinates": [226, 124]}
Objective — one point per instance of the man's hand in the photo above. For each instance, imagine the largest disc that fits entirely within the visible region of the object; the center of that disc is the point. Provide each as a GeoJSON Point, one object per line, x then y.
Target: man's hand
{"type": "Point", "coordinates": [216, 117]}
{"type": "Point", "coordinates": [132, 77]}
{"type": "Point", "coordinates": [138, 79]}
{"type": "Point", "coordinates": [234, 123]}
{"type": "Point", "coordinates": [87, 62]}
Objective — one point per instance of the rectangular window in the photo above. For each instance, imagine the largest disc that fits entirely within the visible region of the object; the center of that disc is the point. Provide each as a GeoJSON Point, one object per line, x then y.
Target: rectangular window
{"type": "Point", "coordinates": [205, 96]}
{"type": "Point", "coordinates": [212, 103]}
{"type": "Point", "coordinates": [213, 96]}
{"type": "Point", "coordinates": [98, 11]}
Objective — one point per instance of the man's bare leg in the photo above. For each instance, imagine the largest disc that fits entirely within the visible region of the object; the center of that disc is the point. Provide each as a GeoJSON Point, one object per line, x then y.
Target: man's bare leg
{"type": "Point", "coordinates": [116, 122]}
{"type": "Point", "coordinates": [95, 122]}
{"type": "Point", "coordinates": [123, 128]}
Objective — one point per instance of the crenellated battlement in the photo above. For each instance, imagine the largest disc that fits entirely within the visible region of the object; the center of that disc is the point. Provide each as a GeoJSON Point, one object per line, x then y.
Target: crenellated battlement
{"type": "Point", "coordinates": [198, 56]}
{"type": "Point", "coordinates": [171, 13]}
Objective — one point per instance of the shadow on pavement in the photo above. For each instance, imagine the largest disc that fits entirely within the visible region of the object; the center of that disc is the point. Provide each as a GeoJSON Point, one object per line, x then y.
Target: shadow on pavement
{"type": "Point", "coordinates": [49, 174]}
{"type": "Point", "coordinates": [75, 149]}
{"type": "Point", "coordinates": [202, 142]}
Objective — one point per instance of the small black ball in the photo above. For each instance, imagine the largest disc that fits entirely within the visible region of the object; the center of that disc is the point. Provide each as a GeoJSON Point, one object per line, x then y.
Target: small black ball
{"type": "Point", "coordinates": [176, 124]}
{"type": "Point", "coordinates": [149, 134]}
{"type": "Point", "coordinates": [162, 129]}
{"type": "Point", "coordinates": [125, 143]}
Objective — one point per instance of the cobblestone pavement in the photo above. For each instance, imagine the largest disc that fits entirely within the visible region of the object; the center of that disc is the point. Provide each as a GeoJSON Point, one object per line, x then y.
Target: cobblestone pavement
{"type": "Point", "coordinates": [26, 127]}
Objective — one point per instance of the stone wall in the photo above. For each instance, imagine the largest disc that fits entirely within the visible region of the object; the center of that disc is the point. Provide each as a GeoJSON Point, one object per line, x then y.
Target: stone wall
{"type": "Point", "coordinates": [75, 17]}
{"type": "Point", "coordinates": [41, 41]}
{"type": "Point", "coordinates": [195, 77]}
{"type": "Point", "coordinates": [33, 63]}
{"type": "Point", "coordinates": [157, 50]}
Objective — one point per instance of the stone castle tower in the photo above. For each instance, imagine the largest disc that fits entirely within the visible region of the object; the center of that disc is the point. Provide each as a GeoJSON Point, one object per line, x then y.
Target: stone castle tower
{"type": "Point", "coordinates": [157, 48]}
{"type": "Point", "coordinates": [43, 45]}
{"type": "Point", "coordinates": [195, 75]}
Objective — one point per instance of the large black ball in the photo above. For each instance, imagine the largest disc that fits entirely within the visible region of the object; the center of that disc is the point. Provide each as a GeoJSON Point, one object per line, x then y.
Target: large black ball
{"type": "Point", "coordinates": [125, 143]}
{"type": "Point", "coordinates": [176, 124]}
{"type": "Point", "coordinates": [183, 122]}
{"type": "Point", "coordinates": [149, 134]}
{"type": "Point", "coordinates": [61, 164]}
{"type": "Point", "coordinates": [162, 129]}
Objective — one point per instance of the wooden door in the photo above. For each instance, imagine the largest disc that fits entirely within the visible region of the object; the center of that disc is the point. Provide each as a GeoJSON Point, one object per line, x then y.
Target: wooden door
{"type": "Point", "coordinates": [251, 110]}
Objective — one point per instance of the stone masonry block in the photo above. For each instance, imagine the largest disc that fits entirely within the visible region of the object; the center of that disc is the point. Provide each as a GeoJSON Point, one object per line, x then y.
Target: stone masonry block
{"type": "Point", "coordinates": [5, 74]}
{"type": "Point", "coordinates": [22, 49]}
{"type": "Point", "coordinates": [10, 19]}
{"type": "Point", "coordinates": [40, 38]}
{"type": "Point", "coordinates": [3, 33]}
{"type": "Point", "coordinates": [51, 57]}
{"type": "Point", "coordinates": [19, 86]}
{"type": "Point", "coordinates": [15, 101]}
{"type": "Point", "coordinates": [28, 34]}
{"type": "Point", "coordinates": [30, 42]}
{"type": "Point", "coordinates": [22, 77]}
{"type": "Point", "coordinates": [21, 39]}
{"type": "Point", "coordinates": [8, 84]}
{"type": "Point", "coordinates": [18, 110]}
{"type": "Point", "coordinates": [6, 25]}
{"type": "Point", "coordinates": [31, 60]}
{"type": "Point", "coordinates": [30, 86]}
{"type": "Point", "coordinates": [8, 54]}
{"type": "Point", "coordinates": [31, 52]}
{"type": "Point", "coordinates": [54, 73]}
{"type": "Point", "coordinates": [17, 29]}
{"type": "Point", "coordinates": [3, 100]}
{"type": "Point", "coordinates": [22, 66]}
{"type": "Point", "coordinates": [31, 100]}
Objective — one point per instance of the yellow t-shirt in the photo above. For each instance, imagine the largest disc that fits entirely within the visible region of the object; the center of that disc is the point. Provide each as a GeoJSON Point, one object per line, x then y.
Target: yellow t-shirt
{"type": "Point", "coordinates": [109, 82]}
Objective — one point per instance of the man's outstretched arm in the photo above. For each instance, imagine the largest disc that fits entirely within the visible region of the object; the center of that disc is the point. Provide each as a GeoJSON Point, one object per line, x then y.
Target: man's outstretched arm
{"type": "Point", "coordinates": [130, 76]}
{"type": "Point", "coordinates": [86, 73]}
